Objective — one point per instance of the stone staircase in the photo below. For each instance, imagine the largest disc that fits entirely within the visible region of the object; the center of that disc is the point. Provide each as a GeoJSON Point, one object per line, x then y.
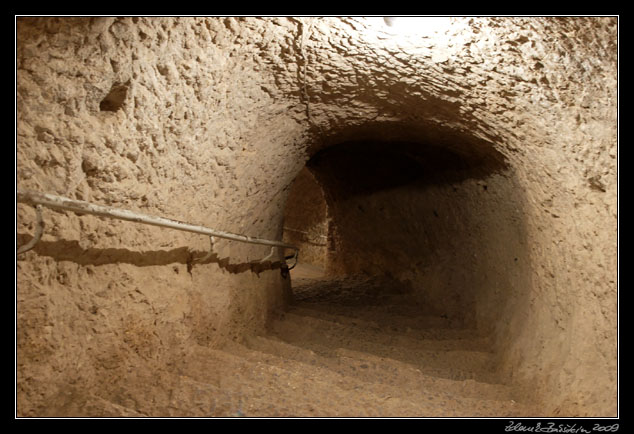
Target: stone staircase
{"type": "Point", "coordinates": [349, 354]}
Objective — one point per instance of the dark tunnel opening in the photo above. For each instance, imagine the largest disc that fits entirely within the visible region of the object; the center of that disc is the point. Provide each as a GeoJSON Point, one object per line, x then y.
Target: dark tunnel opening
{"type": "Point", "coordinates": [365, 168]}
{"type": "Point", "coordinates": [408, 219]}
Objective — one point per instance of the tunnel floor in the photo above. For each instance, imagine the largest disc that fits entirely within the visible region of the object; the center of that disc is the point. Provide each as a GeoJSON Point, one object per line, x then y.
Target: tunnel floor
{"type": "Point", "coordinates": [345, 347]}
{"type": "Point", "coordinates": [358, 346]}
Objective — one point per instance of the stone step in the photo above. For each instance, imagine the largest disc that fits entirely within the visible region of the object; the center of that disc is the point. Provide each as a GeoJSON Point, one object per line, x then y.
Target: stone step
{"type": "Point", "coordinates": [208, 383]}
{"type": "Point", "coordinates": [365, 296]}
{"type": "Point", "coordinates": [216, 383]}
{"type": "Point", "coordinates": [397, 316]}
{"type": "Point", "coordinates": [289, 390]}
{"type": "Point", "coordinates": [430, 356]}
{"type": "Point", "coordinates": [415, 393]}
{"type": "Point", "coordinates": [184, 396]}
{"type": "Point", "coordinates": [398, 376]}
{"type": "Point", "coordinates": [72, 402]}
{"type": "Point", "coordinates": [102, 408]}
{"type": "Point", "coordinates": [192, 398]}
{"type": "Point", "coordinates": [393, 309]}
{"type": "Point", "coordinates": [425, 327]}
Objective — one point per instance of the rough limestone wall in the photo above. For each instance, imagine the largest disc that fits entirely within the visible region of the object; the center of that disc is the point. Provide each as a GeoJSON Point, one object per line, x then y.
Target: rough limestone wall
{"type": "Point", "coordinates": [306, 219]}
{"type": "Point", "coordinates": [543, 92]}
{"type": "Point", "coordinates": [168, 117]}
{"type": "Point", "coordinates": [200, 103]}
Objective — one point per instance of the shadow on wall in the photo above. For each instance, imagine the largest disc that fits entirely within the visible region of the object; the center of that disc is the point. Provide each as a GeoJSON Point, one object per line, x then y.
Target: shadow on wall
{"type": "Point", "coordinates": [71, 250]}
{"type": "Point", "coordinates": [447, 222]}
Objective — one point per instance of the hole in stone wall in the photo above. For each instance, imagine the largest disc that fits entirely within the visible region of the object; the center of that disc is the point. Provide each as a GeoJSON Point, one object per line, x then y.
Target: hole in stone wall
{"type": "Point", "coordinates": [115, 98]}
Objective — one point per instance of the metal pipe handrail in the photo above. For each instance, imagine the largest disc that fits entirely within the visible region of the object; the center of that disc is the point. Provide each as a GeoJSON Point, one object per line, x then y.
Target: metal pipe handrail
{"type": "Point", "coordinates": [80, 206]}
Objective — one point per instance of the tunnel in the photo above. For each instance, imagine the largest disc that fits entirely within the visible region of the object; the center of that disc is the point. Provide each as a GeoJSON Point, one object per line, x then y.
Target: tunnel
{"type": "Point", "coordinates": [421, 216]}
{"type": "Point", "coordinates": [411, 212]}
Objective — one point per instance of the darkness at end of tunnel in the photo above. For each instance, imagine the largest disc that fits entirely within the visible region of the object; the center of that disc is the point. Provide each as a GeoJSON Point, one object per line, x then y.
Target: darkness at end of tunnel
{"type": "Point", "coordinates": [396, 218]}
{"type": "Point", "coordinates": [366, 167]}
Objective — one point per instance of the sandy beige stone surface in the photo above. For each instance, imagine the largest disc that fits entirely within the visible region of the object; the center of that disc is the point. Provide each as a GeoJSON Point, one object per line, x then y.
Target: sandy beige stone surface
{"type": "Point", "coordinates": [512, 230]}
{"type": "Point", "coordinates": [306, 219]}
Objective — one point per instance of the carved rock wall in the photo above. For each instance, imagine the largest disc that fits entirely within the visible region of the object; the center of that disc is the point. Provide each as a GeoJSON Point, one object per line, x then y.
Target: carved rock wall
{"type": "Point", "coordinates": [209, 120]}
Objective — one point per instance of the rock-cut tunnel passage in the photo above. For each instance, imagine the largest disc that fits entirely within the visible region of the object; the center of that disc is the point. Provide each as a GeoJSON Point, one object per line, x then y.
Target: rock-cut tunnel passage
{"type": "Point", "coordinates": [451, 183]}
{"type": "Point", "coordinates": [432, 221]}
{"type": "Point", "coordinates": [413, 251]}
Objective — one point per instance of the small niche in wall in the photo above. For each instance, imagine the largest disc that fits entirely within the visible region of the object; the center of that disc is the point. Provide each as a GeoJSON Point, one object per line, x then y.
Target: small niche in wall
{"type": "Point", "coordinates": [115, 98]}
